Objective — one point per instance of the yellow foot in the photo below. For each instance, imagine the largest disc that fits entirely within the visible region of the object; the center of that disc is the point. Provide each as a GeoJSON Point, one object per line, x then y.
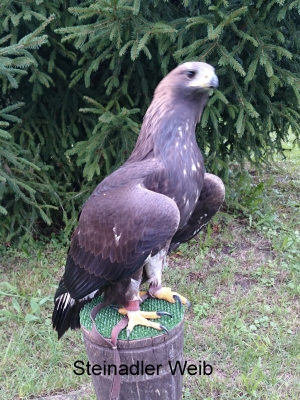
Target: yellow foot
{"type": "Point", "coordinates": [141, 318]}
{"type": "Point", "coordinates": [165, 293]}
{"type": "Point", "coordinates": [142, 292]}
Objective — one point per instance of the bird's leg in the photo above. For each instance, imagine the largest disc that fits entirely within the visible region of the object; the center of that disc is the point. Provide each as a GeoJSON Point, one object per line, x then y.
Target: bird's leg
{"type": "Point", "coordinates": [132, 308]}
{"type": "Point", "coordinates": [153, 270]}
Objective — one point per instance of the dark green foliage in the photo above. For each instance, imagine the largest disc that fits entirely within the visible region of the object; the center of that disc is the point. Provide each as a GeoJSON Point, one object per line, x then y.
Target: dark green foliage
{"type": "Point", "coordinates": [23, 177]}
{"type": "Point", "coordinates": [87, 80]}
{"type": "Point", "coordinates": [34, 69]}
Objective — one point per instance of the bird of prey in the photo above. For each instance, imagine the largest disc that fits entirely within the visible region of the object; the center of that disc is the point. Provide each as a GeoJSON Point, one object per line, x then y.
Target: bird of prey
{"type": "Point", "coordinates": [159, 198]}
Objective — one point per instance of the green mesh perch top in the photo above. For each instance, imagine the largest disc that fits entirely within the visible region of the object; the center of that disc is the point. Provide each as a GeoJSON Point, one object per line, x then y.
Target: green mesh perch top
{"type": "Point", "coordinates": [108, 317]}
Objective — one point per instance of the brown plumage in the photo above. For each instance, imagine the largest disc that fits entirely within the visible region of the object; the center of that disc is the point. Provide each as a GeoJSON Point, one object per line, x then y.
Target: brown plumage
{"type": "Point", "coordinates": [158, 199]}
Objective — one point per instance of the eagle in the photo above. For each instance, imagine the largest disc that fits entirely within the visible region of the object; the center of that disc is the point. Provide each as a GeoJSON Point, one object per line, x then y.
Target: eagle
{"type": "Point", "coordinates": [159, 198]}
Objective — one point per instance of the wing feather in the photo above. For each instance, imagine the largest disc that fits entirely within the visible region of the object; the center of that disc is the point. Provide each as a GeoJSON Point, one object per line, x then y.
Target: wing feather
{"type": "Point", "coordinates": [115, 234]}
{"type": "Point", "coordinates": [210, 200]}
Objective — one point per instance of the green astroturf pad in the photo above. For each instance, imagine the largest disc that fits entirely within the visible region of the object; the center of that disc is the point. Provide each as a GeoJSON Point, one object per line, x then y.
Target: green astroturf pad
{"type": "Point", "coordinates": [107, 318]}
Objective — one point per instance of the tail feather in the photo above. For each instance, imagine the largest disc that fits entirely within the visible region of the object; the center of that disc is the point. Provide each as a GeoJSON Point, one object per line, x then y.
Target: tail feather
{"type": "Point", "coordinates": [66, 310]}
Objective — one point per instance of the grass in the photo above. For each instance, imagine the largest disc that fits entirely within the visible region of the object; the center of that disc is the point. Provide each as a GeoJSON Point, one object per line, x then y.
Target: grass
{"type": "Point", "coordinates": [242, 276]}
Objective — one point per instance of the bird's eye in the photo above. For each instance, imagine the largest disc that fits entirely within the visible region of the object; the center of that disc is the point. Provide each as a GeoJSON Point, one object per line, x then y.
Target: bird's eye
{"type": "Point", "coordinates": [191, 74]}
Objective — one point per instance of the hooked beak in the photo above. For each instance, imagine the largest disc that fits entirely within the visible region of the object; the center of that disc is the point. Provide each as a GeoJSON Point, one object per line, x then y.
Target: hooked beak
{"type": "Point", "coordinates": [206, 80]}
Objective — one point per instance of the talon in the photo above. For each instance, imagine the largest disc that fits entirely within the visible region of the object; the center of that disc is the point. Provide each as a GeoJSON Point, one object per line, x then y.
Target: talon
{"type": "Point", "coordinates": [188, 305]}
{"type": "Point", "coordinates": [160, 313]}
{"type": "Point", "coordinates": [176, 297]}
{"type": "Point", "coordinates": [163, 328]}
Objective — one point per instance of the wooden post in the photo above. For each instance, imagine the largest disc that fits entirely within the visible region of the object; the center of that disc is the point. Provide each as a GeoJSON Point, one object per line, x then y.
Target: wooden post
{"type": "Point", "coordinates": [147, 366]}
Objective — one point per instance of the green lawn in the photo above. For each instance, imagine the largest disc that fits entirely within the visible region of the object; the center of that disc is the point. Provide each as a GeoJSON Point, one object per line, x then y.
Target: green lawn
{"type": "Point", "coordinates": [242, 276]}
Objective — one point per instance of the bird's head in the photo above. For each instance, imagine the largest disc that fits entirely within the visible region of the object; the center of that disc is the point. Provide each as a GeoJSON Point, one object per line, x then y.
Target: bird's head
{"type": "Point", "coordinates": [179, 99]}
{"type": "Point", "coordinates": [189, 79]}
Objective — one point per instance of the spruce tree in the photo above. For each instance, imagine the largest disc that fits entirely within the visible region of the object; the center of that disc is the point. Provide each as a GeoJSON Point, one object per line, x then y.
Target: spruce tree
{"type": "Point", "coordinates": [86, 90]}
{"type": "Point", "coordinates": [127, 47]}
{"type": "Point", "coordinates": [47, 123]}
{"type": "Point", "coordinates": [23, 178]}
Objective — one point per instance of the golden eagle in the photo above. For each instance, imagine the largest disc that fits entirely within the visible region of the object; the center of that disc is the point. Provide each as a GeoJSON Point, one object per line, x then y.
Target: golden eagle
{"type": "Point", "coordinates": [159, 198]}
